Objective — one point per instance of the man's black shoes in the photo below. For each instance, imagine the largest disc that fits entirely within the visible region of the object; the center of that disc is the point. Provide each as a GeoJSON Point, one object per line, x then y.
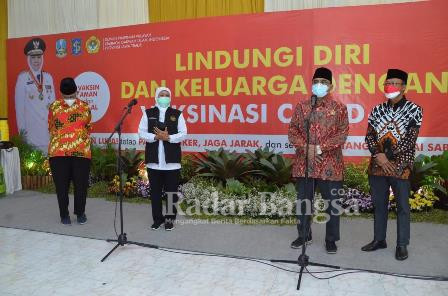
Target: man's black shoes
{"type": "Point", "coordinates": [299, 242]}
{"type": "Point", "coordinates": [401, 253]}
{"type": "Point", "coordinates": [169, 225]}
{"type": "Point", "coordinates": [374, 245]}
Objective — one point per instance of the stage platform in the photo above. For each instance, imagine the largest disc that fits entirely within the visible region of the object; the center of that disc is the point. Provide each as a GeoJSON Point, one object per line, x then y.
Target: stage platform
{"type": "Point", "coordinates": [428, 250]}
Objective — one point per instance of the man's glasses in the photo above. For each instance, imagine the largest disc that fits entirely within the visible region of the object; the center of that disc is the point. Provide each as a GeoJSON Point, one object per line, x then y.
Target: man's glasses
{"type": "Point", "coordinates": [393, 83]}
{"type": "Point", "coordinates": [323, 81]}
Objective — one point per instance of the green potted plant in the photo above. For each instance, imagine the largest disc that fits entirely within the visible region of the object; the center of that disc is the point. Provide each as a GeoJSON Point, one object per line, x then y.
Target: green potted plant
{"type": "Point", "coordinates": [34, 165]}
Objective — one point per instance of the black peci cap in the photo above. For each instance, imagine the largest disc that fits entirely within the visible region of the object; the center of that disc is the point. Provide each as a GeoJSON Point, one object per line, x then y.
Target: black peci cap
{"type": "Point", "coordinates": [68, 86]}
{"type": "Point", "coordinates": [397, 73]}
{"type": "Point", "coordinates": [323, 73]}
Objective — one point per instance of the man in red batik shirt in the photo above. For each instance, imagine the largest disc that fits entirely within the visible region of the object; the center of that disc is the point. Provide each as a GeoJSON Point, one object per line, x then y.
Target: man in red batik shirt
{"type": "Point", "coordinates": [328, 131]}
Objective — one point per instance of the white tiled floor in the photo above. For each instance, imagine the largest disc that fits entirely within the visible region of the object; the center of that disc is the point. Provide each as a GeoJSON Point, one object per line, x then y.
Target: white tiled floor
{"type": "Point", "coordinates": [36, 263]}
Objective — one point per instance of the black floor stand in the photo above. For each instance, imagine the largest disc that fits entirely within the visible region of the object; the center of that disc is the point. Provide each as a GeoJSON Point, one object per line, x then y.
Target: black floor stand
{"type": "Point", "coordinates": [303, 260]}
{"type": "Point", "coordinates": [122, 238]}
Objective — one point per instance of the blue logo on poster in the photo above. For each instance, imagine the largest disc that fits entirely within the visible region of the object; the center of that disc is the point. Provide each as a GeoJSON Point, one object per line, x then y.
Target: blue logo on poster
{"type": "Point", "coordinates": [61, 48]}
{"type": "Point", "coordinates": [76, 46]}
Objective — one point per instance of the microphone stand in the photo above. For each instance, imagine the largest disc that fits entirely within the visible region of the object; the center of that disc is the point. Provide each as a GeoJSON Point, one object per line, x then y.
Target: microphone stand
{"type": "Point", "coordinates": [122, 238]}
{"type": "Point", "coordinates": [303, 260]}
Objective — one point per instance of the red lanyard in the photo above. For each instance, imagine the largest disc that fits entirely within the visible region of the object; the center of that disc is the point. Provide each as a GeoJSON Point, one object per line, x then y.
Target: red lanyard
{"type": "Point", "coordinates": [38, 83]}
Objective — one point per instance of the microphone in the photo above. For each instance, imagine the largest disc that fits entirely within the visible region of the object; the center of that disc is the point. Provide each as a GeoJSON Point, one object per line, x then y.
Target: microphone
{"type": "Point", "coordinates": [308, 118]}
{"type": "Point", "coordinates": [132, 103]}
{"type": "Point", "coordinates": [313, 101]}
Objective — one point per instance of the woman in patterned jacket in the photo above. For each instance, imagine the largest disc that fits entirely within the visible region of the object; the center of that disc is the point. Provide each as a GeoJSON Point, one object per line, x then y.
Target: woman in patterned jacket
{"type": "Point", "coordinates": [69, 124]}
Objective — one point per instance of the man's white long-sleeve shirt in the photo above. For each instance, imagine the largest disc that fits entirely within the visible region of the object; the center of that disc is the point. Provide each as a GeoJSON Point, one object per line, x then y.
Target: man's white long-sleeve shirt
{"type": "Point", "coordinates": [149, 137]}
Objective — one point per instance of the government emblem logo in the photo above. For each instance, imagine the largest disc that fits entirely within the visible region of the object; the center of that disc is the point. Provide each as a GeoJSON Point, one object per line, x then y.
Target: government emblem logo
{"type": "Point", "coordinates": [76, 46]}
{"type": "Point", "coordinates": [93, 44]}
{"type": "Point", "coordinates": [36, 44]}
{"type": "Point", "coordinates": [61, 48]}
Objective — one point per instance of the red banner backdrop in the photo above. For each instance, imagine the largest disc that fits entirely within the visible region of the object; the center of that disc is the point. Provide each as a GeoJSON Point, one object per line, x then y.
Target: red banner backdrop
{"type": "Point", "coordinates": [238, 78]}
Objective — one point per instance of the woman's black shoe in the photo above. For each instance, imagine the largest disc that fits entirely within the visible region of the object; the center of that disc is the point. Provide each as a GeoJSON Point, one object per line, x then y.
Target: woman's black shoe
{"type": "Point", "coordinates": [331, 247]}
{"type": "Point", "coordinates": [156, 225]}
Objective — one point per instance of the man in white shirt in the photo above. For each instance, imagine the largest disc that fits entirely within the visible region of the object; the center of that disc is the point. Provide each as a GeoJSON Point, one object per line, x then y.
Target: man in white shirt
{"type": "Point", "coordinates": [33, 94]}
{"type": "Point", "coordinates": [163, 128]}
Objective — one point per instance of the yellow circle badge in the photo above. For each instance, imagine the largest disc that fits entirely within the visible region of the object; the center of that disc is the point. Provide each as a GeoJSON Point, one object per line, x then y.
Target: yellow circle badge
{"type": "Point", "coordinates": [93, 44]}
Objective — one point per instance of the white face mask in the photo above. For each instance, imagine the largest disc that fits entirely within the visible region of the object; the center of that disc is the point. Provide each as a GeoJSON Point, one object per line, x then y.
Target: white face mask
{"type": "Point", "coordinates": [320, 89]}
{"type": "Point", "coordinates": [69, 101]}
